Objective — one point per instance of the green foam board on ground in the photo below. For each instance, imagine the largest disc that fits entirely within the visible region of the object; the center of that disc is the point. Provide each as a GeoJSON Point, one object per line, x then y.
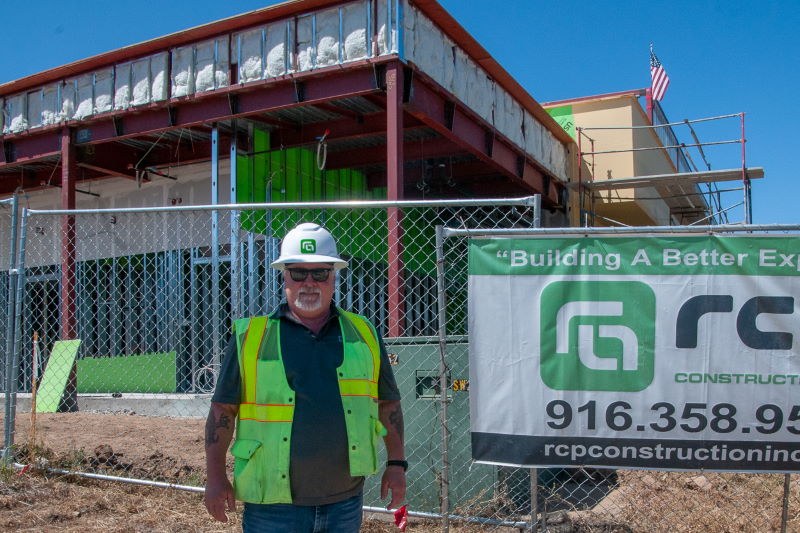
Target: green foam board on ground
{"type": "Point", "coordinates": [153, 373]}
{"type": "Point", "coordinates": [54, 380]}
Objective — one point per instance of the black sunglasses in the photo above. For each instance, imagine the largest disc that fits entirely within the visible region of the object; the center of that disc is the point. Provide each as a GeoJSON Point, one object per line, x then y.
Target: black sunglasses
{"type": "Point", "coordinates": [317, 274]}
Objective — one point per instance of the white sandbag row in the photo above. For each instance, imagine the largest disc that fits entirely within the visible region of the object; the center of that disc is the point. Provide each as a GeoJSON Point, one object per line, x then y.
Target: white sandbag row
{"type": "Point", "coordinates": [200, 67]}
{"type": "Point", "coordinates": [119, 87]}
{"type": "Point", "coordinates": [263, 52]}
{"type": "Point", "coordinates": [440, 58]}
{"type": "Point", "coordinates": [140, 82]}
{"type": "Point", "coordinates": [328, 37]}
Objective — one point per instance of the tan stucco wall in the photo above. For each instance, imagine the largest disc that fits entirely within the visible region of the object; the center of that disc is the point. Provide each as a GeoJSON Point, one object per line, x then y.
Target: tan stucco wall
{"type": "Point", "coordinates": [630, 206]}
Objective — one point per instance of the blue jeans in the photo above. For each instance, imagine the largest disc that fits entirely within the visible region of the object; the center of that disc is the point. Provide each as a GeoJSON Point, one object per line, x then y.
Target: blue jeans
{"type": "Point", "coordinates": [340, 517]}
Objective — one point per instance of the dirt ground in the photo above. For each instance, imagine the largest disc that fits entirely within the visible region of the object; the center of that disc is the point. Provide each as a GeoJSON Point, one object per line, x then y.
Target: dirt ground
{"type": "Point", "coordinates": [171, 450]}
{"type": "Point", "coordinates": [119, 444]}
{"type": "Point", "coordinates": [158, 448]}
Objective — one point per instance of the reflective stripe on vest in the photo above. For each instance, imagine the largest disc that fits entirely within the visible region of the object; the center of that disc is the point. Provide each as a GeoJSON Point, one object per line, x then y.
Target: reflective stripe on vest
{"type": "Point", "coordinates": [263, 432]}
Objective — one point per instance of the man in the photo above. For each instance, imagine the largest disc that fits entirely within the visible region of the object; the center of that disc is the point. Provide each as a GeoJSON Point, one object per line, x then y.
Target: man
{"type": "Point", "coordinates": [311, 390]}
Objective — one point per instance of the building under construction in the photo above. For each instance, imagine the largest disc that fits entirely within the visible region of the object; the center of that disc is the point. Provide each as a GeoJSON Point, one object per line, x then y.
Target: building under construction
{"type": "Point", "coordinates": [305, 102]}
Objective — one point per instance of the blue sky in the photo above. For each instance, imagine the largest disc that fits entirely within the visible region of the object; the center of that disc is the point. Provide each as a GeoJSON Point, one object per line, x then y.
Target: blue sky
{"type": "Point", "coordinates": [722, 57]}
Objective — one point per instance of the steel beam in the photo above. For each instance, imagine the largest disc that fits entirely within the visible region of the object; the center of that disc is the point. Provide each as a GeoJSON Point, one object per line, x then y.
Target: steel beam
{"type": "Point", "coordinates": [29, 148]}
{"type": "Point", "coordinates": [69, 171]}
{"type": "Point", "coordinates": [333, 108]}
{"type": "Point", "coordinates": [412, 151]}
{"type": "Point", "coordinates": [184, 112]}
{"type": "Point", "coordinates": [339, 129]}
{"type": "Point", "coordinates": [252, 100]}
{"type": "Point", "coordinates": [109, 172]}
{"type": "Point", "coordinates": [478, 138]}
{"type": "Point", "coordinates": [394, 185]}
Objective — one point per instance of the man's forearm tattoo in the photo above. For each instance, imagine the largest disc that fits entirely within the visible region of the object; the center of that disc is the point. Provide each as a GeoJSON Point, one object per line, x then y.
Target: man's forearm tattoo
{"type": "Point", "coordinates": [211, 427]}
{"type": "Point", "coordinates": [396, 419]}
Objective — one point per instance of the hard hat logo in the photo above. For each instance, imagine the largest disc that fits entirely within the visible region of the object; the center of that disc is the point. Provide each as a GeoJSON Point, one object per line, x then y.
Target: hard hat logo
{"type": "Point", "coordinates": [308, 243]}
{"type": "Point", "coordinates": [308, 246]}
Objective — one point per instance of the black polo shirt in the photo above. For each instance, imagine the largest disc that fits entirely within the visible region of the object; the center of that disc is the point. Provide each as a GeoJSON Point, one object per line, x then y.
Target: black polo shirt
{"type": "Point", "coordinates": [319, 465]}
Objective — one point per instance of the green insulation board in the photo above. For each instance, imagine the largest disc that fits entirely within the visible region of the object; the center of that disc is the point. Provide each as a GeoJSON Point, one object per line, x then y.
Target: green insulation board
{"type": "Point", "coordinates": [292, 175]}
{"type": "Point", "coordinates": [563, 115]}
{"type": "Point", "coordinates": [56, 374]}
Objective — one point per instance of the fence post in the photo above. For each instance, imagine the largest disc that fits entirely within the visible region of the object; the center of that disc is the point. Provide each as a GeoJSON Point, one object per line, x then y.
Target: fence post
{"type": "Point", "coordinates": [534, 525]}
{"type": "Point", "coordinates": [235, 285]}
{"type": "Point", "coordinates": [215, 289]}
{"type": "Point", "coordinates": [17, 321]}
{"type": "Point", "coordinates": [68, 246]}
{"type": "Point", "coordinates": [8, 376]}
{"type": "Point", "coordinates": [785, 512]}
{"type": "Point", "coordinates": [442, 304]}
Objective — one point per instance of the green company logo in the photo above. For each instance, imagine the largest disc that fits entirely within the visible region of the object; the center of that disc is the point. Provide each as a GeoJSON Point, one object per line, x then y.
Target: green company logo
{"type": "Point", "coordinates": [308, 246]}
{"type": "Point", "coordinates": [597, 335]}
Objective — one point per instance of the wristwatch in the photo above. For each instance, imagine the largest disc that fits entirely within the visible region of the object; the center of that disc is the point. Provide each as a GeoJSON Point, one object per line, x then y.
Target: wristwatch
{"type": "Point", "coordinates": [397, 462]}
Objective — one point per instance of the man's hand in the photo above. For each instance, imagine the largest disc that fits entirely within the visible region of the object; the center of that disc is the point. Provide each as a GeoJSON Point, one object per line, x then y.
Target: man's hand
{"type": "Point", "coordinates": [219, 431]}
{"type": "Point", "coordinates": [219, 498]}
{"type": "Point", "coordinates": [394, 479]}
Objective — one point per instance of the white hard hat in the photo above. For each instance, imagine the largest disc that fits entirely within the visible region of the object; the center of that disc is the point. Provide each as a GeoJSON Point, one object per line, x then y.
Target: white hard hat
{"type": "Point", "coordinates": [308, 243]}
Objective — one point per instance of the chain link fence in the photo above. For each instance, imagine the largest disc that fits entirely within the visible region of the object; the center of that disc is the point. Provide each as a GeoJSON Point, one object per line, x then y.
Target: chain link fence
{"type": "Point", "coordinates": [151, 294]}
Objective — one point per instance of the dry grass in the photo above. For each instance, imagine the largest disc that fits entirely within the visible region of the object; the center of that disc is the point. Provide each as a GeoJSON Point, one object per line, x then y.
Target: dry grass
{"type": "Point", "coordinates": [36, 502]}
{"type": "Point", "coordinates": [171, 450]}
{"type": "Point", "coordinates": [654, 502]}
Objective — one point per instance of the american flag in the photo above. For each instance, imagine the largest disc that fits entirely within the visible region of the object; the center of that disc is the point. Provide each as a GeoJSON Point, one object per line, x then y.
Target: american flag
{"type": "Point", "coordinates": [660, 80]}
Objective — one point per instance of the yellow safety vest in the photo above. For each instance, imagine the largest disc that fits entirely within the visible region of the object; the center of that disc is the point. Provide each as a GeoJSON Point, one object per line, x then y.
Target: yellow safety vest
{"type": "Point", "coordinates": [264, 425]}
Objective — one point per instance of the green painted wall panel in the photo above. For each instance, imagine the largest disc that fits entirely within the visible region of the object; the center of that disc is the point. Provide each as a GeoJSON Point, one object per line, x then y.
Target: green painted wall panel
{"type": "Point", "coordinates": [151, 373]}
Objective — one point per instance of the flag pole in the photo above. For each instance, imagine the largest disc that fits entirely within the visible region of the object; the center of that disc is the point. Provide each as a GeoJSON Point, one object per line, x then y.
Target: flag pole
{"type": "Point", "coordinates": [649, 91]}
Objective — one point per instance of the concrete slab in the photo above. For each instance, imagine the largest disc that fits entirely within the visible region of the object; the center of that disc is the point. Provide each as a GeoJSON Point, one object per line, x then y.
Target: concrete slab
{"type": "Point", "coordinates": [168, 405]}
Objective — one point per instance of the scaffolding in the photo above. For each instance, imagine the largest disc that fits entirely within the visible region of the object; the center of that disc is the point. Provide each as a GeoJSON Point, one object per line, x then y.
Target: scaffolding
{"type": "Point", "coordinates": [680, 190]}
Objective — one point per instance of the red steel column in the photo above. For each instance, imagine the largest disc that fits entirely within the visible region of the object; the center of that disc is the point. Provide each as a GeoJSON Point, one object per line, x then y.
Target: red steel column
{"type": "Point", "coordinates": [69, 173]}
{"type": "Point", "coordinates": [394, 184]}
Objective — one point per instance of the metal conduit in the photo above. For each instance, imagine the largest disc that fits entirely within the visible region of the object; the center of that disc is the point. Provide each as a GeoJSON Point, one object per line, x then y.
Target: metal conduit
{"type": "Point", "coordinates": [524, 201]}
{"type": "Point", "coordinates": [471, 519]}
{"type": "Point", "coordinates": [521, 232]}
{"type": "Point", "coordinates": [681, 123]}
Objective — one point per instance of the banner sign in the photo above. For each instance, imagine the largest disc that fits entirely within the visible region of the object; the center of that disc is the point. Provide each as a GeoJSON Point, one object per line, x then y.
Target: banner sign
{"type": "Point", "coordinates": [674, 352]}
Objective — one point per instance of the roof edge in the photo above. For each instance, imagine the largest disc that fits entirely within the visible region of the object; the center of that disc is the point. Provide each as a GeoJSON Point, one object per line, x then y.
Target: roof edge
{"type": "Point", "coordinates": [469, 44]}
{"type": "Point", "coordinates": [431, 8]}
{"type": "Point", "coordinates": [607, 96]}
